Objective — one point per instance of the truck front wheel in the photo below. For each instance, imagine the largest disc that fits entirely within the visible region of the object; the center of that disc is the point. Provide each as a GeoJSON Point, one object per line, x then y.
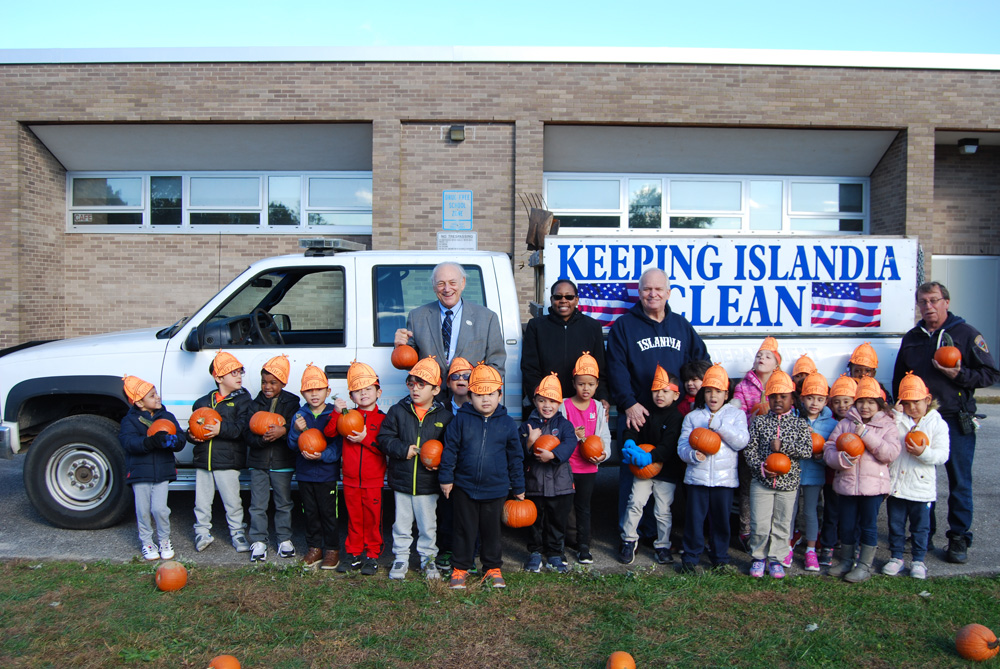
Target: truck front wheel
{"type": "Point", "coordinates": [74, 473]}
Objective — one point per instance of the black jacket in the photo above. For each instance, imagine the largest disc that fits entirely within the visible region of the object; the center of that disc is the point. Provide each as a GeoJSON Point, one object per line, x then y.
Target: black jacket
{"type": "Point", "coordinates": [229, 449]}
{"type": "Point", "coordinates": [551, 344]}
{"type": "Point", "coordinates": [401, 428]}
{"type": "Point", "coordinates": [979, 370]}
{"type": "Point", "coordinates": [662, 430]}
{"type": "Point", "coordinates": [146, 460]}
{"type": "Point", "coordinates": [271, 454]}
{"type": "Point", "coordinates": [554, 477]}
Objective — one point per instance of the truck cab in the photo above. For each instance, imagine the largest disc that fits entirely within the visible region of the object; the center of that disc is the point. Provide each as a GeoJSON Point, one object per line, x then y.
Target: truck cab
{"type": "Point", "coordinates": [62, 401]}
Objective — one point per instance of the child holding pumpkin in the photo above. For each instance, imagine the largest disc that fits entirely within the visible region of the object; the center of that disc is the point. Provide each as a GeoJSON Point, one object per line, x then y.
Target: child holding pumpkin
{"type": "Point", "coordinates": [363, 468]}
{"type": "Point", "coordinates": [482, 461]}
{"type": "Point", "coordinates": [219, 457]}
{"type": "Point", "coordinates": [861, 481]}
{"type": "Point", "coordinates": [589, 420]}
{"type": "Point", "coordinates": [409, 425]}
{"type": "Point", "coordinates": [271, 463]}
{"type": "Point", "coordinates": [661, 430]}
{"type": "Point", "coordinates": [149, 462]}
{"type": "Point", "coordinates": [913, 486]}
{"type": "Point", "coordinates": [840, 401]}
{"type": "Point", "coordinates": [317, 469]}
{"type": "Point", "coordinates": [779, 439]}
{"type": "Point", "coordinates": [549, 440]}
{"type": "Point", "coordinates": [820, 419]}
{"type": "Point", "coordinates": [458, 386]}
{"type": "Point", "coordinates": [711, 479]}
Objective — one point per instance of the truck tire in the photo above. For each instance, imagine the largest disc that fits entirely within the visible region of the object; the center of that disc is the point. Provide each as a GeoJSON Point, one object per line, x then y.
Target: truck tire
{"type": "Point", "coordinates": [74, 473]}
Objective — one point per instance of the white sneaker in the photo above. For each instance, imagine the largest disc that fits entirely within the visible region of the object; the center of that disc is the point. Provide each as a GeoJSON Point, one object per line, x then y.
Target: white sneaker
{"type": "Point", "coordinates": [286, 549]}
{"type": "Point", "coordinates": [892, 567]}
{"type": "Point", "coordinates": [398, 571]}
{"type": "Point", "coordinates": [150, 552]}
{"type": "Point", "coordinates": [431, 571]}
{"type": "Point", "coordinates": [166, 550]}
{"type": "Point", "coordinates": [918, 570]}
{"type": "Point", "coordinates": [202, 541]}
{"type": "Point", "coordinates": [258, 551]}
{"type": "Point", "coordinates": [240, 543]}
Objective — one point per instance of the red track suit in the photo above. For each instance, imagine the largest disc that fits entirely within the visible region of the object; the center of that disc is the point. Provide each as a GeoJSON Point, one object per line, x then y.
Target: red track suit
{"type": "Point", "coordinates": [363, 468]}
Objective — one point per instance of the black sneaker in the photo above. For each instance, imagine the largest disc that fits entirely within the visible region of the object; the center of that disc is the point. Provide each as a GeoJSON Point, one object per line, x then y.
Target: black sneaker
{"type": "Point", "coordinates": [349, 563]}
{"type": "Point", "coordinates": [369, 567]}
{"type": "Point", "coordinates": [583, 555]}
{"type": "Point", "coordinates": [691, 569]}
{"type": "Point", "coordinates": [958, 549]}
{"type": "Point", "coordinates": [663, 556]}
{"type": "Point", "coordinates": [443, 560]}
{"type": "Point", "coordinates": [626, 552]}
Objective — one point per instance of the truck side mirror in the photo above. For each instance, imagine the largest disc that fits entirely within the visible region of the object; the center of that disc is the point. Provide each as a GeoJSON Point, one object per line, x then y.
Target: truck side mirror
{"type": "Point", "coordinates": [193, 341]}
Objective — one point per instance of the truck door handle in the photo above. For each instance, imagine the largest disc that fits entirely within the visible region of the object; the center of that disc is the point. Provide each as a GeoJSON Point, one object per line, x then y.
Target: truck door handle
{"type": "Point", "coordinates": [336, 371]}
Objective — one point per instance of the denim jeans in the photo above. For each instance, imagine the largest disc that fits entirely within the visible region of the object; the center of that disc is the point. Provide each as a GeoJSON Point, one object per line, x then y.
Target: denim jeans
{"type": "Point", "coordinates": [918, 514]}
{"type": "Point", "coordinates": [959, 468]}
{"type": "Point", "coordinates": [859, 519]}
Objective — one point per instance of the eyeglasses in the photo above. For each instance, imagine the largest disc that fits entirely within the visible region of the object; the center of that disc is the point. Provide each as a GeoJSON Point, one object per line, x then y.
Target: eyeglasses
{"type": "Point", "coordinates": [557, 297]}
{"type": "Point", "coordinates": [238, 372]}
{"type": "Point", "coordinates": [419, 384]}
{"type": "Point", "coordinates": [462, 377]}
{"type": "Point", "coordinates": [929, 303]}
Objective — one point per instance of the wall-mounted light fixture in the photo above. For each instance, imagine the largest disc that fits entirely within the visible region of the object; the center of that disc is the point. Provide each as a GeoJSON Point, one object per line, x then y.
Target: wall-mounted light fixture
{"type": "Point", "coordinates": [456, 133]}
{"type": "Point", "coordinates": [968, 146]}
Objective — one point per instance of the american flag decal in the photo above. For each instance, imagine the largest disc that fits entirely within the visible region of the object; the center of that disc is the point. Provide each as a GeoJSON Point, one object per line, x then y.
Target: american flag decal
{"type": "Point", "coordinates": [844, 304]}
{"type": "Point", "coordinates": [607, 301]}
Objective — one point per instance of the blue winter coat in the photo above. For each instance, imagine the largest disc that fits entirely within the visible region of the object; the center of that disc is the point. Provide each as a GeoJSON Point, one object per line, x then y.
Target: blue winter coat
{"type": "Point", "coordinates": [327, 468]}
{"type": "Point", "coordinates": [814, 469]}
{"type": "Point", "coordinates": [554, 477]}
{"type": "Point", "coordinates": [482, 455]}
{"type": "Point", "coordinates": [146, 461]}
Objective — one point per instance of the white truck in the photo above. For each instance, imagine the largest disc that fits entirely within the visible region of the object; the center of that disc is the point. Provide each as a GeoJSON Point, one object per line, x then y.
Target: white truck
{"type": "Point", "coordinates": [62, 401]}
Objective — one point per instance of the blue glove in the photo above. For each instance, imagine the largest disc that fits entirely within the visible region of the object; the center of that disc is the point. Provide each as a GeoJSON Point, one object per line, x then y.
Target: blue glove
{"type": "Point", "coordinates": [628, 452]}
{"type": "Point", "coordinates": [170, 441]}
{"type": "Point", "coordinates": [641, 458]}
{"type": "Point", "coordinates": [629, 445]}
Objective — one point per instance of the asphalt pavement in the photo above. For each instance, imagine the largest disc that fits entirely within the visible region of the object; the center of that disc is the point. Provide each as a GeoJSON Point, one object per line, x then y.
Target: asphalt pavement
{"type": "Point", "coordinates": [24, 534]}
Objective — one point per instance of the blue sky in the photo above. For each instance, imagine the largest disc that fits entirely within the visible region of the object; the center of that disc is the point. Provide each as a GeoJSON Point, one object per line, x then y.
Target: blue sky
{"type": "Point", "coordinates": [873, 25]}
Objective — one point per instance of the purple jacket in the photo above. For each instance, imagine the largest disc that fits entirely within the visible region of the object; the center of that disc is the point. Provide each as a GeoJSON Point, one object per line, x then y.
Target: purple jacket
{"type": "Point", "coordinates": [869, 476]}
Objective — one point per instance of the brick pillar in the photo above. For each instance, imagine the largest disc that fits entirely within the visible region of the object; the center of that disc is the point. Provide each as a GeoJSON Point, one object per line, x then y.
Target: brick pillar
{"type": "Point", "coordinates": [529, 136]}
{"type": "Point", "coordinates": [920, 190]}
{"type": "Point", "coordinates": [386, 184]}
{"type": "Point", "coordinates": [9, 248]}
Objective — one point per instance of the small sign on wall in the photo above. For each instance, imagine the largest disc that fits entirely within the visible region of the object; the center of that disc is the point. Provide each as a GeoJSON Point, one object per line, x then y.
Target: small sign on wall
{"type": "Point", "coordinates": [456, 210]}
{"type": "Point", "coordinates": [458, 241]}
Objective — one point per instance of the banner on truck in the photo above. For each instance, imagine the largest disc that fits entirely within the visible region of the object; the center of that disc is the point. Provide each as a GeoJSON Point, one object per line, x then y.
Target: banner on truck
{"type": "Point", "coordinates": [831, 285]}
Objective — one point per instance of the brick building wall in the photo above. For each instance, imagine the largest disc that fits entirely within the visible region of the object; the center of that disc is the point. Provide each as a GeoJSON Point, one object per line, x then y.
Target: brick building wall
{"type": "Point", "coordinates": [506, 104]}
{"type": "Point", "coordinates": [967, 200]}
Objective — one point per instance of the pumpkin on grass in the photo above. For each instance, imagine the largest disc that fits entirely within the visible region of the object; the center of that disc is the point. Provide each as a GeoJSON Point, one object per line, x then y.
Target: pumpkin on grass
{"type": "Point", "coordinates": [705, 441]}
{"type": "Point", "coordinates": [349, 422]}
{"type": "Point", "coordinates": [404, 357]}
{"type": "Point", "coordinates": [650, 470]}
{"type": "Point", "coordinates": [171, 575]}
{"type": "Point", "coordinates": [224, 662]}
{"type": "Point", "coordinates": [161, 425]}
{"type": "Point", "coordinates": [818, 443]}
{"type": "Point", "coordinates": [262, 421]}
{"type": "Point", "coordinates": [312, 441]}
{"type": "Point", "coordinates": [851, 444]}
{"type": "Point", "coordinates": [202, 419]}
{"type": "Point", "coordinates": [592, 448]}
{"type": "Point", "coordinates": [546, 442]}
{"type": "Point", "coordinates": [430, 453]}
{"type": "Point", "coordinates": [778, 463]}
{"type": "Point", "coordinates": [620, 660]}
{"type": "Point", "coordinates": [948, 356]}
{"type": "Point", "coordinates": [976, 642]}
{"type": "Point", "coordinates": [519, 513]}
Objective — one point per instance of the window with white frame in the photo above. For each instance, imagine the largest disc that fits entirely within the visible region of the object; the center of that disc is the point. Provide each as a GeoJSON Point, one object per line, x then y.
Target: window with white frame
{"type": "Point", "coordinates": [684, 203]}
{"type": "Point", "coordinates": [200, 202]}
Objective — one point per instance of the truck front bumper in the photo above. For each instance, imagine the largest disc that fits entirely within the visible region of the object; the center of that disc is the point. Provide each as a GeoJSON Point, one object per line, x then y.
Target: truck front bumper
{"type": "Point", "coordinates": [10, 440]}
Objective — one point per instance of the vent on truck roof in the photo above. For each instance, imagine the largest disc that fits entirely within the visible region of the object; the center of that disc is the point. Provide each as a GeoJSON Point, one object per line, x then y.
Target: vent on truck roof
{"type": "Point", "coordinates": [321, 246]}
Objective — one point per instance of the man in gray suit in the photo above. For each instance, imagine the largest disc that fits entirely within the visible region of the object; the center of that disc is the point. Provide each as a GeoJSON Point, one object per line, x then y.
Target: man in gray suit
{"type": "Point", "coordinates": [451, 327]}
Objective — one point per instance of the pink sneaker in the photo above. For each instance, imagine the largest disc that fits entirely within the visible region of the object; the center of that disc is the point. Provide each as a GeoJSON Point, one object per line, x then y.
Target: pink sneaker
{"type": "Point", "coordinates": [812, 562]}
{"type": "Point", "coordinates": [776, 570]}
{"type": "Point", "coordinates": [787, 562]}
{"type": "Point", "coordinates": [757, 569]}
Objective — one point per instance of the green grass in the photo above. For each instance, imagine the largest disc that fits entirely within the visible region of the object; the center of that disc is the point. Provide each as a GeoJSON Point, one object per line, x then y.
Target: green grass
{"type": "Point", "coordinates": [111, 615]}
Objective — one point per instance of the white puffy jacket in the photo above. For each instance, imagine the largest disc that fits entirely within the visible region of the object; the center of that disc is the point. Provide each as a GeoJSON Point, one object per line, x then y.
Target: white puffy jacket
{"type": "Point", "coordinates": [717, 470]}
{"type": "Point", "coordinates": [915, 477]}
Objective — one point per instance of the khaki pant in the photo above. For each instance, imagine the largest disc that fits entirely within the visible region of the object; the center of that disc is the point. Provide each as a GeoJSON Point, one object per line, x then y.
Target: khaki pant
{"type": "Point", "coordinates": [770, 521]}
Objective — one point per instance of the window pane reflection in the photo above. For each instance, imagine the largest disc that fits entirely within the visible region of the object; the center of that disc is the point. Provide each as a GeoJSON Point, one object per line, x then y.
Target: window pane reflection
{"type": "Point", "coordinates": [705, 195]}
{"type": "Point", "coordinates": [765, 205]}
{"type": "Point", "coordinates": [644, 203]}
{"type": "Point", "coordinates": [583, 194]}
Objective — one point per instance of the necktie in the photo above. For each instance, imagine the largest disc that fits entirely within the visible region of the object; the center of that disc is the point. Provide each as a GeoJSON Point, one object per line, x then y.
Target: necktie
{"type": "Point", "coordinates": [446, 332]}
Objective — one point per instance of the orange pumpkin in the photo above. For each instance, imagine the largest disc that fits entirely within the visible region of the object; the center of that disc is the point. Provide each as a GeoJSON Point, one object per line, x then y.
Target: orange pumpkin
{"type": "Point", "coordinates": [620, 660]}
{"type": "Point", "coordinates": [948, 356]}
{"type": "Point", "coordinates": [430, 453]}
{"type": "Point", "coordinates": [312, 441]}
{"type": "Point", "coordinates": [161, 425]}
{"type": "Point", "coordinates": [201, 420]}
{"type": "Point", "coordinates": [224, 662]}
{"type": "Point", "coordinates": [650, 470]}
{"type": "Point", "coordinates": [592, 448]}
{"type": "Point", "coordinates": [404, 357]}
{"type": "Point", "coordinates": [917, 438]}
{"type": "Point", "coordinates": [778, 463]}
{"type": "Point", "coordinates": [519, 513]}
{"type": "Point", "coordinates": [262, 421]}
{"type": "Point", "coordinates": [760, 409]}
{"type": "Point", "coordinates": [851, 444]}
{"type": "Point", "coordinates": [818, 443]}
{"type": "Point", "coordinates": [705, 441]}
{"type": "Point", "coordinates": [171, 575]}
{"type": "Point", "coordinates": [350, 421]}
{"type": "Point", "coordinates": [976, 642]}
{"type": "Point", "coordinates": [546, 442]}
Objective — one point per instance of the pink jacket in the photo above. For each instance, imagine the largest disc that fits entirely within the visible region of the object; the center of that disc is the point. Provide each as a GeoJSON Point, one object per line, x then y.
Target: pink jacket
{"type": "Point", "coordinates": [869, 476]}
{"type": "Point", "coordinates": [749, 392]}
